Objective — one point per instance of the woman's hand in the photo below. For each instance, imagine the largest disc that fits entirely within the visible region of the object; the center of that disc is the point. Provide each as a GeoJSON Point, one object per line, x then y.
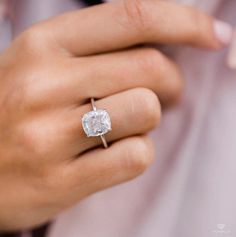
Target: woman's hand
{"type": "Point", "coordinates": [47, 77]}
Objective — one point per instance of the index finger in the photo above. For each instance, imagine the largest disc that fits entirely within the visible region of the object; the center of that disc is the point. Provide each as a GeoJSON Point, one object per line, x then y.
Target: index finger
{"type": "Point", "coordinates": [113, 26]}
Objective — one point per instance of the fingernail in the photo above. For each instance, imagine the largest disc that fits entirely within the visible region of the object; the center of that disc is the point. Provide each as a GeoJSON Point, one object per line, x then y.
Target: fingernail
{"type": "Point", "coordinates": [231, 61]}
{"type": "Point", "coordinates": [223, 32]}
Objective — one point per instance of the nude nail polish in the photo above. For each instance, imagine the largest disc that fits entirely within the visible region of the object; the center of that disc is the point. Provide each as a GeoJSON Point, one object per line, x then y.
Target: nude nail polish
{"type": "Point", "coordinates": [223, 32]}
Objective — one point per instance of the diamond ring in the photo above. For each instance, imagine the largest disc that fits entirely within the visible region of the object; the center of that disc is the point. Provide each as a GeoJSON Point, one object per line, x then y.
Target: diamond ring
{"type": "Point", "coordinates": [97, 123]}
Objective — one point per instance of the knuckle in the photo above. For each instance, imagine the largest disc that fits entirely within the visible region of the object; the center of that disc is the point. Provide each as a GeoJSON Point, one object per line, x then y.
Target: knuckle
{"type": "Point", "coordinates": [148, 59]}
{"type": "Point", "coordinates": [33, 93]}
{"type": "Point", "coordinates": [139, 155]}
{"type": "Point", "coordinates": [136, 15]}
{"type": "Point", "coordinates": [33, 140]}
{"type": "Point", "coordinates": [175, 96]}
{"type": "Point", "coordinates": [28, 97]}
{"type": "Point", "coordinates": [32, 40]}
{"type": "Point", "coordinates": [198, 23]}
{"type": "Point", "coordinates": [149, 106]}
{"type": "Point", "coordinates": [54, 178]}
{"type": "Point", "coordinates": [175, 88]}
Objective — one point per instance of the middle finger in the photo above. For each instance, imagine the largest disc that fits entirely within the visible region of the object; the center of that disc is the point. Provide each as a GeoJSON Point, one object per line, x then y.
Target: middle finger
{"type": "Point", "coordinates": [111, 73]}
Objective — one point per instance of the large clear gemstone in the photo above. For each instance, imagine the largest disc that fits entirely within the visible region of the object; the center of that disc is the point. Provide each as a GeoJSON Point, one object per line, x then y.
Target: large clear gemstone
{"type": "Point", "coordinates": [96, 123]}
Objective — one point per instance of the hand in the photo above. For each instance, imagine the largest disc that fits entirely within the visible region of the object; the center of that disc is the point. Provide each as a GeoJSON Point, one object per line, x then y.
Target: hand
{"type": "Point", "coordinates": [47, 77]}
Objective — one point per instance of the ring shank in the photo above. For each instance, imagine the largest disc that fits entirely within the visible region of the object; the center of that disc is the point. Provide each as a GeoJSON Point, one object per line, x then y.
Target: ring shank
{"type": "Point", "coordinates": [93, 104]}
{"type": "Point", "coordinates": [104, 141]}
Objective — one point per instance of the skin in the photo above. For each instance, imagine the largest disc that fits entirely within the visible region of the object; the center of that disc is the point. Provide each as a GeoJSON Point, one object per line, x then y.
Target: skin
{"type": "Point", "coordinates": [48, 75]}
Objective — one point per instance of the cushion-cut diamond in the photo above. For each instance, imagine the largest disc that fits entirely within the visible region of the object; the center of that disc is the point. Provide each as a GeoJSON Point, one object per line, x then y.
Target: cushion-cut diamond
{"type": "Point", "coordinates": [96, 123]}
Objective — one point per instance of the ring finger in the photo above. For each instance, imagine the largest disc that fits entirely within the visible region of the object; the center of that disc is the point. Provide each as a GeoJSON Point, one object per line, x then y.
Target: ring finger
{"type": "Point", "coordinates": [132, 112]}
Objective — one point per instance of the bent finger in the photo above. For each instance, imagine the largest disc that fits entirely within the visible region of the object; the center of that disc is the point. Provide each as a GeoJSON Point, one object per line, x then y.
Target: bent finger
{"type": "Point", "coordinates": [116, 72]}
{"type": "Point", "coordinates": [102, 168]}
{"type": "Point", "coordinates": [132, 112]}
{"type": "Point", "coordinates": [125, 23]}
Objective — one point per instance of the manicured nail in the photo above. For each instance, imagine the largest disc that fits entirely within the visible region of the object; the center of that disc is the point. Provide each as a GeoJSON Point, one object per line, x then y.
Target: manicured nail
{"type": "Point", "coordinates": [223, 32]}
{"type": "Point", "coordinates": [231, 61]}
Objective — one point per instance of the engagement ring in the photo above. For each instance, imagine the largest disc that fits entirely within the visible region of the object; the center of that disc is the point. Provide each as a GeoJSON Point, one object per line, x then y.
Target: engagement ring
{"type": "Point", "coordinates": [97, 123]}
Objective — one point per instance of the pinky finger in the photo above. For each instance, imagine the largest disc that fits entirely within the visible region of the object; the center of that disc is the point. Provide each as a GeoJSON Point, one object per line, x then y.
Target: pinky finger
{"type": "Point", "coordinates": [102, 168]}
